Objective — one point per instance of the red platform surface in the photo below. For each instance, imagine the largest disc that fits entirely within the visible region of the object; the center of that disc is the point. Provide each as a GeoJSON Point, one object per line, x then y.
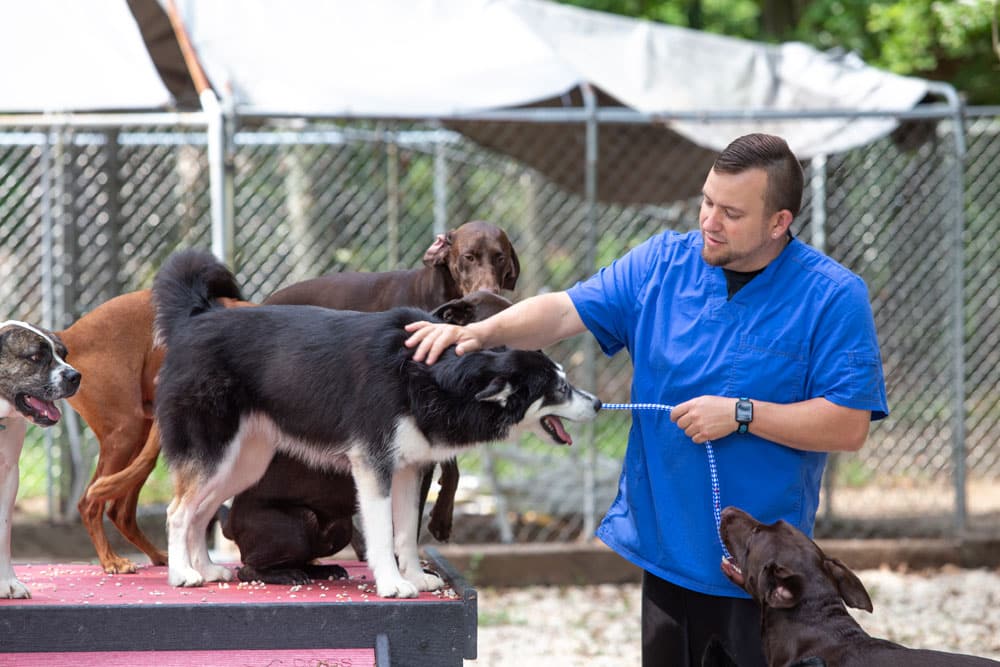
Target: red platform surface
{"type": "Point", "coordinates": [89, 585]}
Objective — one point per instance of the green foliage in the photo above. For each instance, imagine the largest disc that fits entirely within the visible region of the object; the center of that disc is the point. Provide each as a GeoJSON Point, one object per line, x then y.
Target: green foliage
{"type": "Point", "coordinates": [944, 40]}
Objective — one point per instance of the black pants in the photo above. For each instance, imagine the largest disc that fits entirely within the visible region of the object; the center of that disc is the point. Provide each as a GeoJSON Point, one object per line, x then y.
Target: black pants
{"type": "Point", "coordinates": [678, 624]}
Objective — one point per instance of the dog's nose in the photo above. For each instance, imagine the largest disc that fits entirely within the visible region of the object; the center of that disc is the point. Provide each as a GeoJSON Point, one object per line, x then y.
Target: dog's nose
{"type": "Point", "coordinates": [72, 378]}
{"type": "Point", "coordinates": [597, 404]}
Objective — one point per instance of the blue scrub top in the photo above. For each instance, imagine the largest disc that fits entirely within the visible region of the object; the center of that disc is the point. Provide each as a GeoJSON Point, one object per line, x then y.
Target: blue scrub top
{"type": "Point", "coordinates": [801, 329]}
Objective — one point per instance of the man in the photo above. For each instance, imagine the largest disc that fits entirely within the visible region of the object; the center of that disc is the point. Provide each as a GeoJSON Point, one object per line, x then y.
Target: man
{"type": "Point", "coordinates": [765, 347]}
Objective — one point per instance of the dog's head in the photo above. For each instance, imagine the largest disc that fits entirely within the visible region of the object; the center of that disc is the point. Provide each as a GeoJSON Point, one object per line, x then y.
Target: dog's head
{"type": "Point", "coordinates": [478, 255]}
{"type": "Point", "coordinates": [33, 372]}
{"type": "Point", "coordinates": [471, 308]}
{"type": "Point", "coordinates": [779, 566]}
{"type": "Point", "coordinates": [516, 390]}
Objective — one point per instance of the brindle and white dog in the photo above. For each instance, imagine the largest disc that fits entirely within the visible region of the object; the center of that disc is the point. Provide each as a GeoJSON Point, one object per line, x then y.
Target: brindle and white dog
{"type": "Point", "coordinates": [33, 375]}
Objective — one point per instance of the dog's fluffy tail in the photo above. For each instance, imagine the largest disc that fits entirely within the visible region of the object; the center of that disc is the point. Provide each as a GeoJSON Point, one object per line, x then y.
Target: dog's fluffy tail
{"type": "Point", "coordinates": [188, 284]}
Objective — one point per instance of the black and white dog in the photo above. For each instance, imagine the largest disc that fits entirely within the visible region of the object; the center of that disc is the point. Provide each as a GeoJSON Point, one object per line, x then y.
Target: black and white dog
{"type": "Point", "coordinates": [33, 375]}
{"type": "Point", "coordinates": [336, 389]}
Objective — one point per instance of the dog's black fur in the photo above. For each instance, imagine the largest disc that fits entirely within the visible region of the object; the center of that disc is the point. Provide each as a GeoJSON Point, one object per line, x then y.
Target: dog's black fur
{"type": "Point", "coordinates": [802, 593]}
{"type": "Point", "coordinates": [296, 514]}
{"type": "Point", "coordinates": [336, 389]}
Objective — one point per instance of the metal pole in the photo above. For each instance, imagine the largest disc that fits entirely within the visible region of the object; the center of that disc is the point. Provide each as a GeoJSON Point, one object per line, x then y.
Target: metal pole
{"type": "Point", "coordinates": [48, 286]}
{"type": "Point", "coordinates": [220, 177]}
{"type": "Point", "coordinates": [589, 344]}
{"type": "Point", "coordinates": [440, 188]}
{"type": "Point", "coordinates": [817, 228]}
{"type": "Point", "coordinates": [958, 300]}
{"type": "Point", "coordinates": [392, 197]}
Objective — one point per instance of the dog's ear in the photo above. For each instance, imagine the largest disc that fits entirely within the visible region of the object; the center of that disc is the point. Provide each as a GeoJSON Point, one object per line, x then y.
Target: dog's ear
{"type": "Point", "coordinates": [781, 587]}
{"type": "Point", "coordinates": [498, 390]}
{"type": "Point", "coordinates": [437, 253]}
{"type": "Point", "coordinates": [513, 270]}
{"type": "Point", "coordinates": [456, 311]}
{"type": "Point", "coordinates": [851, 589]}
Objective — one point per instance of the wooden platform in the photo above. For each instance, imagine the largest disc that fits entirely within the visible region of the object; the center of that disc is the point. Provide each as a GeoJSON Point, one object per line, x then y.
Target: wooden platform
{"type": "Point", "coordinates": [78, 615]}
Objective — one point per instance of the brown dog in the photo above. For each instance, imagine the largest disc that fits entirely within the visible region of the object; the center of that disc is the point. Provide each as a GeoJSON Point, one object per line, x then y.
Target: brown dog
{"type": "Point", "coordinates": [296, 514]}
{"type": "Point", "coordinates": [112, 346]}
{"type": "Point", "coordinates": [802, 594]}
{"type": "Point", "coordinates": [476, 256]}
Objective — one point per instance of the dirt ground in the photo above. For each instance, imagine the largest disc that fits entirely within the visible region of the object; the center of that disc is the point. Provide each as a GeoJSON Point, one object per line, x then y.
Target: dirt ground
{"type": "Point", "coordinates": [587, 626]}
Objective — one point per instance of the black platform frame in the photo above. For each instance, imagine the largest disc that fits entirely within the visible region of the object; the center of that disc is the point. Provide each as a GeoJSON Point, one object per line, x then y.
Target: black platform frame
{"type": "Point", "coordinates": [441, 632]}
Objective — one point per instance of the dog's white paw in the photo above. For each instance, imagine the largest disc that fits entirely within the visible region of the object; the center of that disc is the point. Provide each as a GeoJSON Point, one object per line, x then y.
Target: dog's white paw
{"type": "Point", "coordinates": [187, 577]}
{"type": "Point", "coordinates": [14, 589]}
{"type": "Point", "coordinates": [217, 573]}
{"type": "Point", "coordinates": [426, 581]}
{"type": "Point", "coordinates": [397, 588]}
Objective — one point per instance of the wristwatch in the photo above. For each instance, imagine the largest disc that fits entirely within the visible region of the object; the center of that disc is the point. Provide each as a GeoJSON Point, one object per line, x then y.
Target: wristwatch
{"type": "Point", "coordinates": [744, 414]}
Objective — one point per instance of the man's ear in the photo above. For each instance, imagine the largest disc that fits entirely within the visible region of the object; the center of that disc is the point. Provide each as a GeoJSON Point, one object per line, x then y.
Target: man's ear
{"type": "Point", "coordinates": [781, 588]}
{"type": "Point", "coordinates": [851, 589]}
{"type": "Point", "coordinates": [497, 391]}
{"type": "Point", "coordinates": [780, 222]}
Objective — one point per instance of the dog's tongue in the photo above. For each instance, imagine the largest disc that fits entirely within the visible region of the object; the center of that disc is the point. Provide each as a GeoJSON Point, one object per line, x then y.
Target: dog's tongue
{"type": "Point", "coordinates": [49, 410]}
{"type": "Point", "coordinates": [557, 428]}
{"type": "Point", "coordinates": [731, 570]}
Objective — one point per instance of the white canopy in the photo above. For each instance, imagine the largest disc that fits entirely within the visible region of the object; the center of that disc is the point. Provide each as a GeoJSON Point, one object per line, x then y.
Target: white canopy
{"type": "Point", "coordinates": [67, 55]}
{"type": "Point", "coordinates": [445, 57]}
{"type": "Point", "coordinates": [449, 59]}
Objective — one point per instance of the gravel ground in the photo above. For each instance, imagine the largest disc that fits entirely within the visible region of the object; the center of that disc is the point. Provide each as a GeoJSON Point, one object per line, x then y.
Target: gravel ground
{"type": "Point", "coordinates": [948, 609]}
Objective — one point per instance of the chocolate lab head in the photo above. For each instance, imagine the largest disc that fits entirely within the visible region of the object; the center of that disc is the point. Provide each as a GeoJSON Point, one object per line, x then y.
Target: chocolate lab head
{"type": "Point", "coordinates": [33, 372]}
{"type": "Point", "coordinates": [471, 308]}
{"type": "Point", "coordinates": [779, 566]}
{"type": "Point", "coordinates": [478, 255]}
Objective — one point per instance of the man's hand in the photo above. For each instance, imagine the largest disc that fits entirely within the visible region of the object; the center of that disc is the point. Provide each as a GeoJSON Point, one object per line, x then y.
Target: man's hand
{"type": "Point", "coordinates": [706, 417]}
{"type": "Point", "coordinates": [431, 339]}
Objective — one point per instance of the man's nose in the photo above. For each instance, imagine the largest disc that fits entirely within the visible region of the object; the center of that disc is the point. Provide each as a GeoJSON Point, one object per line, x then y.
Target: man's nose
{"type": "Point", "coordinates": [711, 219]}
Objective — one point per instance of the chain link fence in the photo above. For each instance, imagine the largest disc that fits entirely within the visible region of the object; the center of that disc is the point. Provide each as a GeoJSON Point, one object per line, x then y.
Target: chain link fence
{"type": "Point", "coordinates": [87, 213]}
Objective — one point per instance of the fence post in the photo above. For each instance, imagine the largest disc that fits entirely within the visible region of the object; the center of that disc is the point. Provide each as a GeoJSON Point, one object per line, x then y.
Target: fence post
{"type": "Point", "coordinates": [588, 344]}
{"type": "Point", "coordinates": [220, 168]}
{"type": "Point", "coordinates": [958, 299]}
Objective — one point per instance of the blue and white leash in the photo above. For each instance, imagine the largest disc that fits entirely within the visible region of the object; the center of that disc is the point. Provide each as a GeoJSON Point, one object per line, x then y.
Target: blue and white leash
{"type": "Point", "coordinates": [712, 469]}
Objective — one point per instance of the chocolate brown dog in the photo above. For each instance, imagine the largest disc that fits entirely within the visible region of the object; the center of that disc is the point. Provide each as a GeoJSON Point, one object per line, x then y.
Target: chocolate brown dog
{"type": "Point", "coordinates": [475, 256]}
{"type": "Point", "coordinates": [802, 593]}
{"type": "Point", "coordinates": [296, 514]}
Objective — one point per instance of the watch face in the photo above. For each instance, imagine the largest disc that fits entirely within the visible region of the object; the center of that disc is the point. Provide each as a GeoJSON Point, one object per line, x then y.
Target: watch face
{"type": "Point", "coordinates": [744, 411]}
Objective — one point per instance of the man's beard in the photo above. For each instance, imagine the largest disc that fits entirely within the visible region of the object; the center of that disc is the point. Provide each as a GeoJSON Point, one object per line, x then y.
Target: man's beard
{"type": "Point", "coordinates": [717, 259]}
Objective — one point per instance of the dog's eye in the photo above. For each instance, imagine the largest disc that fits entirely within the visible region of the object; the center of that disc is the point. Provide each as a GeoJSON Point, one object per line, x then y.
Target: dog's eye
{"type": "Point", "coordinates": [501, 260]}
{"type": "Point", "coordinates": [37, 357]}
{"type": "Point", "coordinates": [469, 257]}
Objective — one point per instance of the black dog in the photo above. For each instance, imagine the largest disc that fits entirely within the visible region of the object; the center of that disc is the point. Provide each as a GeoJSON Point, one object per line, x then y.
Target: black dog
{"type": "Point", "coordinates": [296, 514]}
{"type": "Point", "coordinates": [802, 593]}
{"type": "Point", "coordinates": [338, 390]}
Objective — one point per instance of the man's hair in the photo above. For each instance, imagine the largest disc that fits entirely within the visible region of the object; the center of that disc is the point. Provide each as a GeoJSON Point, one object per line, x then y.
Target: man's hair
{"type": "Point", "coordinates": [772, 154]}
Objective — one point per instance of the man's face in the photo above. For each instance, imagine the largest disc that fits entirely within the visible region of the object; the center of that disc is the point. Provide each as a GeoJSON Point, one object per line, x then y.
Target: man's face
{"type": "Point", "coordinates": [737, 231]}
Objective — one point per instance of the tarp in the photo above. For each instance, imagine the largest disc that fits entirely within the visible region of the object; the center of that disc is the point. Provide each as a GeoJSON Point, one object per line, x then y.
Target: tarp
{"type": "Point", "coordinates": [449, 58]}
{"type": "Point", "coordinates": [67, 55]}
{"type": "Point", "coordinates": [445, 57]}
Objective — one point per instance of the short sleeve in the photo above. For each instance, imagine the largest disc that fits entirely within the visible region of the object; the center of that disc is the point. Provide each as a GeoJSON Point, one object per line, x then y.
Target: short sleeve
{"type": "Point", "coordinates": [608, 300]}
{"type": "Point", "coordinates": [847, 364]}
